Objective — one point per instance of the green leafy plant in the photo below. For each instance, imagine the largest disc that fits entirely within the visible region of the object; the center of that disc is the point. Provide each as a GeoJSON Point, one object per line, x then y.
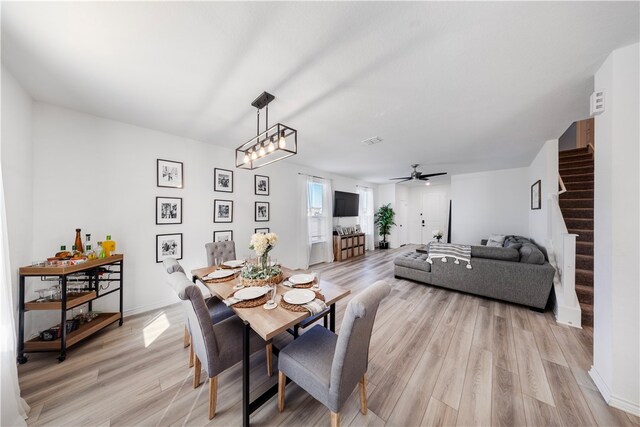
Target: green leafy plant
{"type": "Point", "coordinates": [383, 219]}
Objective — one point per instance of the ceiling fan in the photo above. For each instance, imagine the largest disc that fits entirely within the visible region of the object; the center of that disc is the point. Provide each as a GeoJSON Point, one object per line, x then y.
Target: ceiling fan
{"type": "Point", "coordinates": [418, 176]}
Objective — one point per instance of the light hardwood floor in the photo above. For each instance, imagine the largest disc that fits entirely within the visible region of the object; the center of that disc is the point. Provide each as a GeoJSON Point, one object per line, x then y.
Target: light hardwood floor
{"type": "Point", "coordinates": [437, 357]}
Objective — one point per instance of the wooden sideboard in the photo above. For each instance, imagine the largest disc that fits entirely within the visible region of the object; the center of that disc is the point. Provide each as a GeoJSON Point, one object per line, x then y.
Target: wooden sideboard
{"type": "Point", "coordinates": [348, 246]}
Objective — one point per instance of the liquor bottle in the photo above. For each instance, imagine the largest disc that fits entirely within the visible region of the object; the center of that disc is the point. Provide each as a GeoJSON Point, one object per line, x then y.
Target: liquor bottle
{"type": "Point", "coordinates": [78, 241]}
{"type": "Point", "coordinates": [100, 251]}
{"type": "Point", "coordinates": [87, 240]}
{"type": "Point", "coordinates": [109, 246]}
{"type": "Point", "coordinates": [90, 253]}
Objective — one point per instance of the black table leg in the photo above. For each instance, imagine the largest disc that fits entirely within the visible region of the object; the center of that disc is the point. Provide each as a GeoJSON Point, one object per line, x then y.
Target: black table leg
{"type": "Point", "coordinates": [332, 318]}
{"type": "Point", "coordinates": [21, 358]}
{"type": "Point", "coordinates": [63, 321]}
{"type": "Point", "coordinates": [246, 353]}
{"type": "Point", "coordinates": [121, 293]}
{"type": "Point", "coordinates": [325, 322]}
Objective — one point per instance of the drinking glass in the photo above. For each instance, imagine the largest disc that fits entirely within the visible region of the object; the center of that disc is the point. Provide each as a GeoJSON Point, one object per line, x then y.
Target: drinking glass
{"type": "Point", "coordinates": [316, 280]}
{"type": "Point", "coordinates": [273, 294]}
{"type": "Point", "coordinates": [42, 293]}
{"type": "Point", "coordinates": [217, 262]}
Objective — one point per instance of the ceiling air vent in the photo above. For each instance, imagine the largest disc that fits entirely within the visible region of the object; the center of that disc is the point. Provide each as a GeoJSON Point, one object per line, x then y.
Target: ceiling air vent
{"type": "Point", "coordinates": [372, 141]}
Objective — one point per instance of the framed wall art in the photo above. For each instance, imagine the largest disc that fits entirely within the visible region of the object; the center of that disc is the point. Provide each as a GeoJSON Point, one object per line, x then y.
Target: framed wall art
{"type": "Point", "coordinates": [223, 180]}
{"type": "Point", "coordinates": [222, 210]}
{"type": "Point", "coordinates": [223, 236]}
{"type": "Point", "coordinates": [536, 196]}
{"type": "Point", "coordinates": [168, 210]}
{"type": "Point", "coordinates": [169, 173]}
{"type": "Point", "coordinates": [261, 185]}
{"type": "Point", "coordinates": [262, 211]}
{"type": "Point", "coordinates": [168, 246]}
{"type": "Point", "coordinates": [263, 230]}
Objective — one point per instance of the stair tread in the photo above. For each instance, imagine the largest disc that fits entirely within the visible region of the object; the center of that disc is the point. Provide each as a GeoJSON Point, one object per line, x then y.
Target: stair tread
{"type": "Point", "coordinates": [585, 288]}
{"type": "Point", "coordinates": [583, 271]}
{"type": "Point", "coordinates": [585, 243]}
{"type": "Point", "coordinates": [573, 151]}
{"type": "Point", "coordinates": [584, 256]}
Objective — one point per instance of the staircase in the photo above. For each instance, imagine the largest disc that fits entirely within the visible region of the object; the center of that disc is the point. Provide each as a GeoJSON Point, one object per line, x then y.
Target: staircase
{"type": "Point", "coordinates": [576, 171]}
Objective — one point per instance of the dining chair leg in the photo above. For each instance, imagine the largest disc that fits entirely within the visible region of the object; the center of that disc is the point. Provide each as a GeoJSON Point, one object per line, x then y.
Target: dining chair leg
{"type": "Point", "coordinates": [196, 372]}
{"type": "Point", "coordinates": [269, 351]}
{"type": "Point", "coordinates": [363, 395]}
{"type": "Point", "coordinates": [213, 396]}
{"type": "Point", "coordinates": [335, 419]}
{"type": "Point", "coordinates": [282, 382]}
{"type": "Point", "coordinates": [185, 338]}
{"type": "Point", "coordinates": [191, 353]}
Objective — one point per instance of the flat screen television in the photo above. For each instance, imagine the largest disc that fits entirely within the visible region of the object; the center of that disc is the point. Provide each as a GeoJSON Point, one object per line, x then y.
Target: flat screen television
{"type": "Point", "coordinates": [345, 204]}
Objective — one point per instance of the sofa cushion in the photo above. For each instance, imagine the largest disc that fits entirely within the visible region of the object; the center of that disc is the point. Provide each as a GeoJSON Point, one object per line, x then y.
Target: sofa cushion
{"type": "Point", "coordinates": [413, 260]}
{"type": "Point", "coordinates": [492, 252]}
{"type": "Point", "coordinates": [496, 240]}
{"type": "Point", "coordinates": [530, 254]}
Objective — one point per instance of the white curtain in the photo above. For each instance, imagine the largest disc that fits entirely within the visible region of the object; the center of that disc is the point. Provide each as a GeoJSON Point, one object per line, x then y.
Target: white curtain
{"type": "Point", "coordinates": [365, 217]}
{"type": "Point", "coordinates": [304, 240]}
{"type": "Point", "coordinates": [327, 220]}
{"type": "Point", "coordinates": [14, 409]}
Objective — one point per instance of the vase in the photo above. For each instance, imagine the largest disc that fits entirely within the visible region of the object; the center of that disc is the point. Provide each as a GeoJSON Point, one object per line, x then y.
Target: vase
{"type": "Point", "coordinates": [264, 261]}
{"type": "Point", "coordinates": [438, 238]}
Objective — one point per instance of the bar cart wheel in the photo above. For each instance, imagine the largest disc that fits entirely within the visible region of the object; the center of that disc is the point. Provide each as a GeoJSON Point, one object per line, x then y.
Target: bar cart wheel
{"type": "Point", "coordinates": [61, 358]}
{"type": "Point", "coordinates": [22, 359]}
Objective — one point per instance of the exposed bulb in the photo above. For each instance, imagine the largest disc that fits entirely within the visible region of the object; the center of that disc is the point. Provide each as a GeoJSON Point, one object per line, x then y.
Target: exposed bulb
{"type": "Point", "coordinates": [282, 143]}
{"type": "Point", "coordinates": [427, 183]}
{"type": "Point", "coordinates": [262, 152]}
{"type": "Point", "coordinates": [246, 158]}
{"type": "Point", "coordinates": [271, 146]}
{"type": "Point", "coordinates": [254, 155]}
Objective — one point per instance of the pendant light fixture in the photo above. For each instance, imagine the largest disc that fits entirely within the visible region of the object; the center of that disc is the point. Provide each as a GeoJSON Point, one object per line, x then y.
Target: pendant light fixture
{"type": "Point", "coordinates": [275, 143]}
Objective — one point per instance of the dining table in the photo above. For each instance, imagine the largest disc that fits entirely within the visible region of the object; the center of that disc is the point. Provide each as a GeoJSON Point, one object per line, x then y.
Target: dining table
{"type": "Point", "coordinates": [268, 323]}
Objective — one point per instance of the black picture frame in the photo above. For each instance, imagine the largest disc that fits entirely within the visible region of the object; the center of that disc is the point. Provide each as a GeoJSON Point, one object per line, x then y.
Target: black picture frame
{"type": "Point", "coordinates": [219, 216]}
{"type": "Point", "coordinates": [536, 195]}
{"type": "Point", "coordinates": [262, 211]}
{"type": "Point", "coordinates": [263, 230]}
{"type": "Point", "coordinates": [168, 245]}
{"type": "Point", "coordinates": [169, 174]}
{"type": "Point", "coordinates": [168, 215]}
{"type": "Point", "coordinates": [223, 180]}
{"type": "Point", "coordinates": [261, 185]}
{"type": "Point", "coordinates": [221, 233]}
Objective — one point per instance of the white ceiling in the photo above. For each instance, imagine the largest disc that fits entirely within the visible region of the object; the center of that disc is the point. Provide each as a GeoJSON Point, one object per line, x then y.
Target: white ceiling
{"type": "Point", "coordinates": [456, 87]}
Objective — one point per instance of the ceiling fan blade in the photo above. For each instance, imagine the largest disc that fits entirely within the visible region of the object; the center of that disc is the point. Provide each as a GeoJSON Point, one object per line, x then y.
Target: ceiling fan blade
{"type": "Point", "coordinates": [404, 180]}
{"type": "Point", "coordinates": [432, 174]}
{"type": "Point", "coordinates": [404, 177]}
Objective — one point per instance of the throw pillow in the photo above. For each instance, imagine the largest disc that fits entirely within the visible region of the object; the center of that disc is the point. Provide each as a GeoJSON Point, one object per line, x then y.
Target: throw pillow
{"type": "Point", "coordinates": [530, 254]}
{"type": "Point", "coordinates": [496, 240]}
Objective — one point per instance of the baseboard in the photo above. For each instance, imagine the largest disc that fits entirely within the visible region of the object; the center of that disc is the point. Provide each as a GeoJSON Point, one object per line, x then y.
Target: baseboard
{"type": "Point", "coordinates": [149, 307]}
{"type": "Point", "coordinates": [568, 316]}
{"type": "Point", "coordinates": [614, 401]}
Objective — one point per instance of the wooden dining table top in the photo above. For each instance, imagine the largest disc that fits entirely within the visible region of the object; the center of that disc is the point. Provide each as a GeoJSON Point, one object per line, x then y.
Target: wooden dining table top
{"type": "Point", "coordinates": [269, 323]}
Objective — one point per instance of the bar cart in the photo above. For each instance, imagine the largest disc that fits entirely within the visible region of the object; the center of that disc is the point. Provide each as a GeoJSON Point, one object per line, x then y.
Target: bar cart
{"type": "Point", "coordinates": [90, 272]}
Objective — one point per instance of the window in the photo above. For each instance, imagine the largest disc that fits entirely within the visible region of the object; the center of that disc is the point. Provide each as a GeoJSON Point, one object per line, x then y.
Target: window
{"type": "Point", "coordinates": [316, 211]}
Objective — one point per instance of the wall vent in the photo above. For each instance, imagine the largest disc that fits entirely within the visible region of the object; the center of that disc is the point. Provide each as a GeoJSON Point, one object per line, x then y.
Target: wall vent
{"type": "Point", "coordinates": [597, 103]}
{"type": "Point", "coordinates": [373, 141]}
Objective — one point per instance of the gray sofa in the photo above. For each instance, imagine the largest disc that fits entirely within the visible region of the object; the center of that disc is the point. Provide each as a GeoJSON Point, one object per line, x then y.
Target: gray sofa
{"type": "Point", "coordinates": [516, 273]}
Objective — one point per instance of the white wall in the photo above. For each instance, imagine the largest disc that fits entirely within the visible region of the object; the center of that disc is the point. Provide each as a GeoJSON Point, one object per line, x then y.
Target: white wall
{"type": "Point", "coordinates": [616, 346]}
{"type": "Point", "coordinates": [100, 175]}
{"type": "Point", "coordinates": [544, 168]}
{"type": "Point", "coordinates": [493, 202]}
{"type": "Point", "coordinates": [16, 152]}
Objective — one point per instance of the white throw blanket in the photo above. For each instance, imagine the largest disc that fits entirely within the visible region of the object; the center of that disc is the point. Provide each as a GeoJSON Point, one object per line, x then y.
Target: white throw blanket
{"type": "Point", "coordinates": [450, 250]}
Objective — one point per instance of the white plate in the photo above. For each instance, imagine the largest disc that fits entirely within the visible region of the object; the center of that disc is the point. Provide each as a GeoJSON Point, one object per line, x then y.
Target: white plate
{"type": "Point", "coordinates": [301, 279]}
{"type": "Point", "coordinates": [233, 263]}
{"type": "Point", "coordinates": [219, 274]}
{"type": "Point", "coordinates": [251, 292]}
{"type": "Point", "coordinates": [299, 296]}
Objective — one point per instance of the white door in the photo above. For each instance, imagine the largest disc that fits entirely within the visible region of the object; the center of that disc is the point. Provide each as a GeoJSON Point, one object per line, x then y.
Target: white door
{"type": "Point", "coordinates": [434, 215]}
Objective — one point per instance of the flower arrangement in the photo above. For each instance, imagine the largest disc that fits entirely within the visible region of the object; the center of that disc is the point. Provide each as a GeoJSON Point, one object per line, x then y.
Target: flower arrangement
{"type": "Point", "coordinates": [437, 234]}
{"type": "Point", "coordinates": [262, 272]}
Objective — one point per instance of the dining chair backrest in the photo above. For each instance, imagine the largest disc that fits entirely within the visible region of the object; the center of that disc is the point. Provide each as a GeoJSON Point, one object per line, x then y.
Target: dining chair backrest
{"type": "Point", "coordinates": [225, 250]}
{"type": "Point", "coordinates": [203, 338]}
{"type": "Point", "coordinates": [172, 265]}
{"type": "Point", "coordinates": [351, 356]}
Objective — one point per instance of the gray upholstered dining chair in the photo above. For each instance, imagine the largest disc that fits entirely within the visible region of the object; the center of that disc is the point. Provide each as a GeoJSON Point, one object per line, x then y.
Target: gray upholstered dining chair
{"type": "Point", "coordinates": [225, 250]}
{"type": "Point", "coordinates": [218, 311]}
{"type": "Point", "coordinates": [217, 346]}
{"type": "Point", "coordinates": [328, 366]}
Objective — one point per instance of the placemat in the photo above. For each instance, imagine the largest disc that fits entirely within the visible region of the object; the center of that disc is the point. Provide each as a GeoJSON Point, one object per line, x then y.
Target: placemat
{"type": "Point", "coordinates": [253, 302]}
{"type": "Point", "coordinates": [299, 308]}
{"type": "Point", "coordinates": [222, 279]}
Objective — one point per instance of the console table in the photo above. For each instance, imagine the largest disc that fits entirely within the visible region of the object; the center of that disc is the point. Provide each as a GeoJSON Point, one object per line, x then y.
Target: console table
{"type": "Point", "coordinates": [90, 272]}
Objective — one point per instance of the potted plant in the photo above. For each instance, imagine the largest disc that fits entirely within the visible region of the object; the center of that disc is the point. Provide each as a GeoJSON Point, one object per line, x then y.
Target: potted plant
{"type": "Point", "coordinates": [383, 219]}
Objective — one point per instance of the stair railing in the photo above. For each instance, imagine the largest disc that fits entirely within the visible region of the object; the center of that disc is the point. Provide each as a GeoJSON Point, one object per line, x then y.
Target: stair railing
{"type": "Point", "coordinates": [564, 251]}
{"type": "Point", "coordinates": [562, 189]}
